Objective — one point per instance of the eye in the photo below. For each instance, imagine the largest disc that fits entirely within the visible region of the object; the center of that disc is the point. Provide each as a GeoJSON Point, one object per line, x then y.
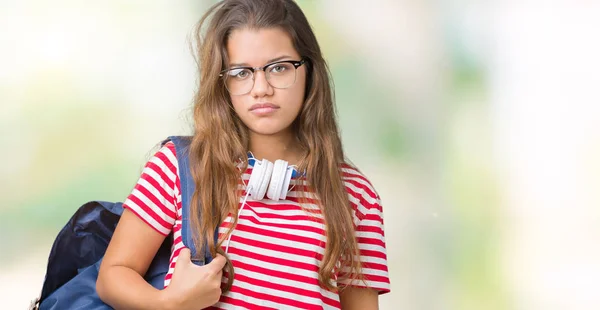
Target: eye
{"type": "Point", "coordinates": [240, 74]}
{"type": "Point", "coordinates": [278, 68]}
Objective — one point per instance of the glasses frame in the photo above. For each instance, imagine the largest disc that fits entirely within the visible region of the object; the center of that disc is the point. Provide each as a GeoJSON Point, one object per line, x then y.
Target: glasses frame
{"type": "Point", "coordinates": [295, 63]}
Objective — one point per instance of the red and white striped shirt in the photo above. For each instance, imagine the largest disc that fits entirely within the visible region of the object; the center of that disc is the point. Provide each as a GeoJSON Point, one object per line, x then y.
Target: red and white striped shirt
{"type": "Point", "coordinates": [277, 246]}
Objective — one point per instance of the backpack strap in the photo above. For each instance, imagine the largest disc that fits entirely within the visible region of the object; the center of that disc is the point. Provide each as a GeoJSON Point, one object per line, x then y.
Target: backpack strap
{"type": "Point", "coordinates": [182, 145]}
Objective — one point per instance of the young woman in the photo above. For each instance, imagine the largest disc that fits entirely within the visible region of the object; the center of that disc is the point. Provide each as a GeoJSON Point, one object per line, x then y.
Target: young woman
{"type": "Point", "coordinates": [265, 90]}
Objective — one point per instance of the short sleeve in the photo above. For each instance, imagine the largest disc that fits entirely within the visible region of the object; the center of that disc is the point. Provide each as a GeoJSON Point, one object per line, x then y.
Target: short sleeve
{"type": "Point", "coordinates": [370, 235]}
{"type": "Point", "coordinates": [153, 199]}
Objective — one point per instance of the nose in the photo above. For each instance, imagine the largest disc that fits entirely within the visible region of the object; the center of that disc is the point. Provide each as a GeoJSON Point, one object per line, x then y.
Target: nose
{"type": "Point", "coordinates": [261, 85]}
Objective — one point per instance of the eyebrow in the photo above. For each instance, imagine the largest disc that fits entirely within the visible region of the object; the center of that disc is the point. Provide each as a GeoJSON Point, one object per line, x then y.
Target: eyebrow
{"type": "Point", "coordinates": [243, 64]}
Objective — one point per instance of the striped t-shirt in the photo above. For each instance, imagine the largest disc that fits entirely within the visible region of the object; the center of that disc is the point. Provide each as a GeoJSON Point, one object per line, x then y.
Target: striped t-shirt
{"type": "Point", "coordinates": [277, 246]}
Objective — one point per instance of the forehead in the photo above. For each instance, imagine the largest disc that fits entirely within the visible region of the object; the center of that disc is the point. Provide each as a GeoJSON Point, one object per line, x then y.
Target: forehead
{"type": "Point", "coordinates": [256, 47]}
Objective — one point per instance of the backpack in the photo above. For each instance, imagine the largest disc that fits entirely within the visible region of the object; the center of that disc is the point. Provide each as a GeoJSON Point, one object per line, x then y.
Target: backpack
{"type": "Point", "coordinates": [77, 251]}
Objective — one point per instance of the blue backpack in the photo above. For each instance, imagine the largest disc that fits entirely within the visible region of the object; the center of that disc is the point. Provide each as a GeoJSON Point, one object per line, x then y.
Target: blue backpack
{"type": "Point", "coordinates": [77, 252]}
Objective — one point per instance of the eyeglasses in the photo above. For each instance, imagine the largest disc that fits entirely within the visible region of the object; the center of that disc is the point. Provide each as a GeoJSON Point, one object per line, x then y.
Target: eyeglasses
{"type": "Point", "coordinates": [280, 74]}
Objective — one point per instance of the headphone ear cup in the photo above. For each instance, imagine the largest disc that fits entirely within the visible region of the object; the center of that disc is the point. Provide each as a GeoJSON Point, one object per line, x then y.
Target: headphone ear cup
{"type": "Point", "coordinates": [286, 182]}
{"type": "Point", "coordinates": [256, 178]}
{"type": "Point", "coordinates": [264, 179]}
{"type": "Point", "coordinates": [253, 181]}
{"type": "Point", "coordinates": [277, 179]}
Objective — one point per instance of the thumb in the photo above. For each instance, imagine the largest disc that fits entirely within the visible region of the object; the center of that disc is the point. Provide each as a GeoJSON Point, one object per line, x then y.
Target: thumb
{"type": "Point", "coordinates": [184, 256]}
{"type": "Point", "coordinates": [218, 262]}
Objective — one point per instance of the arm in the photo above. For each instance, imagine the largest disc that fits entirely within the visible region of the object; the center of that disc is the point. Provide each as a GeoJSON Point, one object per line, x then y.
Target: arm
{"type": "Point", "coordinates": [129, 254]}
{"type": "Point", "coordinates": [149, 215]}
{"type": "Point", "coordinates": [359, 298]}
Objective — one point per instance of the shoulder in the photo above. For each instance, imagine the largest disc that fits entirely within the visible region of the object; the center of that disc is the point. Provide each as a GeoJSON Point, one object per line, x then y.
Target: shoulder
{"type": "Point", "coordinates": [363, 197]}
{"type": "Point", "coordinates": [357, 182]}
{"type": "Point", "coordinates": [166, 157]}
{"type": "Point", "coordinates": [168, 148]}
{"type": "Point", "coordinates": [163, 165]}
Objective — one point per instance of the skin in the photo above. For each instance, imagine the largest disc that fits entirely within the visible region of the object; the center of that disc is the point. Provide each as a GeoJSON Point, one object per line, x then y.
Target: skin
{"type": "Point", "coordinates": [134, 244]}
{"type": "Point", "coordinates": [271, 136]}
{"type": "Point", "coordinates": [130, 252]}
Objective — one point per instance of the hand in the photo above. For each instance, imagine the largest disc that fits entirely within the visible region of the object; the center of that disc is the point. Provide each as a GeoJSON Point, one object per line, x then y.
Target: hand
{"type": "Point", "coordinates": [195, 287]}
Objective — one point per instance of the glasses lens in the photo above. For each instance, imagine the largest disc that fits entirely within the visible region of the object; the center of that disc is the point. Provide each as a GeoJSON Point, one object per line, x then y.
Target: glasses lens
{"type": "Point", "coordinates": [239, 81]}
{"type": "Point", "coordinates": [281, 75]}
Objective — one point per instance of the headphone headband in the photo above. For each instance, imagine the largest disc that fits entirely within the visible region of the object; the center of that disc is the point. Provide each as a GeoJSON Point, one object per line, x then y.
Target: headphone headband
{"type": "Point", "coordinates": [295, 174]}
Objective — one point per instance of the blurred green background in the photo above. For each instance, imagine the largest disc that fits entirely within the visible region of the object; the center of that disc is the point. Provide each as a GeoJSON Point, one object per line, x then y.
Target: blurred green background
{"type": "Point", "coordinates": [477, 122]}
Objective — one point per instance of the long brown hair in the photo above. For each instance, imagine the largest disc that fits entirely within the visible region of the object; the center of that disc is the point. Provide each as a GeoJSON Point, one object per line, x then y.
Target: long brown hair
{"type": "Point", "coordinates": [221, 139]}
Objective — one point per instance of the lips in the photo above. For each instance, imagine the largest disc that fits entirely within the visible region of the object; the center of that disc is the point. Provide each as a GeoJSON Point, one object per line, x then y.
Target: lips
{"type": "Point", "coordinates": [266, 105]}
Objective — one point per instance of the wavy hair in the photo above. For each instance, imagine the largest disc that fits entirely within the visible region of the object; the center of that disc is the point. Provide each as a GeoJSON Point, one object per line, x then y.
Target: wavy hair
{"type": "Point", "coordinates": [221, 139]}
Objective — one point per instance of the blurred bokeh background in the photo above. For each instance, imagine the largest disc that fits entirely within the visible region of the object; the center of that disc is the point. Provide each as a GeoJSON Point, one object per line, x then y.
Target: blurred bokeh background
{"type": "Point", "coordinates": [477, 121]}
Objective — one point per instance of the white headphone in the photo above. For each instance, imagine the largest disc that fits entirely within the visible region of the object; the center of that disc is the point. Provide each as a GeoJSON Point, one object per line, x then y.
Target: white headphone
{"type": "Point", "coordinates": [269, 178]}
{"type": "Point", "coordinates": [274, 179]}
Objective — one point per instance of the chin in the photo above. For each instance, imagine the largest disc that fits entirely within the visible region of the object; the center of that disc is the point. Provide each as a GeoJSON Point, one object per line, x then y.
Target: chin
{"type": "Point", "coordinates": [269, 130]}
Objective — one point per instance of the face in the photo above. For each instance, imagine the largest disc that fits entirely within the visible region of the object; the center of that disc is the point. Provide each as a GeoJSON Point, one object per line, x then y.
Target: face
{"type": "Point", "coordinates": [266, 110]}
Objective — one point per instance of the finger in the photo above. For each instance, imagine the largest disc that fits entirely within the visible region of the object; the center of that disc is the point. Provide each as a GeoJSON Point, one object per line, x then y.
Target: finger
{"type": "Point", "coordinates": [218, 262]}
{"type": "Point", "coordinates": [184, 256]}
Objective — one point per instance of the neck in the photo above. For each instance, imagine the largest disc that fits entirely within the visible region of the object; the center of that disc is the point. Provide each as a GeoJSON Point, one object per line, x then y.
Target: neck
{"type": "Point", "coordinates": [273, 147]}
